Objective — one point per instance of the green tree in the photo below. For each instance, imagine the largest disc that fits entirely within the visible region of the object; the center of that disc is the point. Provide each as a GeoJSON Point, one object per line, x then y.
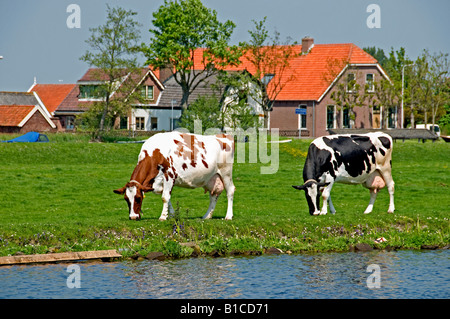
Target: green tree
{"type": "Point", "coordinates": [181, 27]}
{"type": "Point", "coordinates": [241, 91]}
{"type": "Point", "coordinates": [114, 49]}
{"type": "Point", "coordinates": [387, 96]}
{"type": "Point", "coordinates": [206, 109]}
{"type": "Point", "coordinates": [270, 58]}
{"type": "Point", "coordinates": [378, 54]}
{"type": "Point", "coordinates": [439, 74]}
{"type": "Point", "coordinates": [348, 94]}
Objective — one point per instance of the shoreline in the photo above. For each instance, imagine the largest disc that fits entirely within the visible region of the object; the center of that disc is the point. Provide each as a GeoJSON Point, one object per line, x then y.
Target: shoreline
{"type": "Point", "coordinates": [114, 256]}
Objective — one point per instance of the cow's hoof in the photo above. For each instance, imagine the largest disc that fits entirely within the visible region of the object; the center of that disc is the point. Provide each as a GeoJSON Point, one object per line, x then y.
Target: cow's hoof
{"type": "Point", "coordinates": [367, 212]}
{"type": "Point", "coordinates": [162, 219]}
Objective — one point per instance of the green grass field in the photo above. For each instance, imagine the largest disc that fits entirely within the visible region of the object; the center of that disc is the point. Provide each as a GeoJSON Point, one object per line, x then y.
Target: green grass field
{"type": "Point", "coordinates": [57, 197]}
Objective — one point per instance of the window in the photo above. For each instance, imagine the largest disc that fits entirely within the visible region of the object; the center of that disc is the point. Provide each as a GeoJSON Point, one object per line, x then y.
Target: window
{"type": "Point", "coordinates": [302, 119]}
{"type": "Point", "coordinates": [369, 82]}
{"type": "Point", "coordinates": [351, 82]}
{"type": "Point", "coordinates": [331, 116]}
{"type": "Point", "coordinates": [175, 123]}
{"type": "Point", "coordinates": [70, 122]}
{"type": "Point", "coordinates": [346, 119]}
{"type": "Point", "coordinates": [392, 118]}
{"type": "Point", "coordinates": [147, 92]}
{"type": "Point", "coordinates": [124, 123]}
{"type": "Point", "coordinates": [89, 92]}
{"type": "Point", "coordinates": [140, 123]}
{"type": "Point", "coordinates": [154, 123]}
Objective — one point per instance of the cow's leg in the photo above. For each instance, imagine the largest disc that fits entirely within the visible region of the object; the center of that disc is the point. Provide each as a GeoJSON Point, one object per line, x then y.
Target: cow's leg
{"type": "Point", "coordinates": [373, 196]}
{"type": "Point", "coordinates": [166, 200]}
{"type": "Point", "coordinates": [325, 196]}
{"type": "Point", "coordinates": [229, 187]}
{"type": "Point", "coordinates": [212, 205]}
{"type": "Point", "coordinates": [332, 209]}
{"type": "Point", "coordinates": [390, 186]}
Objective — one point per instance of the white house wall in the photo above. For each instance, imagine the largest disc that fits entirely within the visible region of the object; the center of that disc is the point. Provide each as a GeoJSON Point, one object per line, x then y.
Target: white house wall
{"type": "Point", "coordinates": [164, 117]}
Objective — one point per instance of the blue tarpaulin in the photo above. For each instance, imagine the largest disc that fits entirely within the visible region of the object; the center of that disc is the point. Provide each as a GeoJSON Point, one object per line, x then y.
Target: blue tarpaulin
{"type": "Point", "coordinates": [30, 137]}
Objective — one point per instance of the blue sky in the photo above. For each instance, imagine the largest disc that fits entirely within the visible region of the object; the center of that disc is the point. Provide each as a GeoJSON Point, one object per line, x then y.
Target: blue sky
{"type": "Point", "coordinates": [36, 42]}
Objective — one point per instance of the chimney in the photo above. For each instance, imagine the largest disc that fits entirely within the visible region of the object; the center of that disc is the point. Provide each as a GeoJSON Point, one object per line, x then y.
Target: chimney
{"type": "Point", "coordinates": [307, 44]}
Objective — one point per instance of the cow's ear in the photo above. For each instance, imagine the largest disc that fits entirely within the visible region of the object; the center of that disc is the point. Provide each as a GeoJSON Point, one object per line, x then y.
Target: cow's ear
{"type": "Point", "coordinates": [120, 191]}
{"type": "Point", "coordinates": [299, 187]}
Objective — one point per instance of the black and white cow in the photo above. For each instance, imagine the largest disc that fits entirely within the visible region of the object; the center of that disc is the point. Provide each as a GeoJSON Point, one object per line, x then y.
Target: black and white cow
{"type": "Point", "coordinates": [352, 159]}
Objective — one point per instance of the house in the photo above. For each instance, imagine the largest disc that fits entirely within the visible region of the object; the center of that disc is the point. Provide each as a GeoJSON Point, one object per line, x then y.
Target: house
{"type": "Point", "coordinates": [312, 76]}
{"type": "Point", "coordinates": [52, 95]}
{"type": "Point", "coordinates": [172, 95]}
{"type": "Point", "coordinates": [67, 101]}
{"type": "Point", "coordinates": [22, 112]}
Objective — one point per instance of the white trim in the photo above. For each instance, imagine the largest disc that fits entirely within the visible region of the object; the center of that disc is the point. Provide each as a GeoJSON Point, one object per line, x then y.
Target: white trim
{"type": "Point", "coordinates": [41, 104]}
{"type": "Point", "coordinates": [32, 112]}
{"type": "Point", "coordinates": [31, 87]}
{"type": "Point", "coordinates": [156, 80]}
{"type": "Point", "coordinates": [300, 117]}
{"type": "Point", "coordinates": [334, 117]}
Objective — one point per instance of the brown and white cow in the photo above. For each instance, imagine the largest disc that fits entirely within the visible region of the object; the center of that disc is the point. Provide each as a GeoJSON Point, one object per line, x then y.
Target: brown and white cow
{"type": "Point", "coordinates": [351, 159]}
{"type": "Point", "coordinates": [180, 159]}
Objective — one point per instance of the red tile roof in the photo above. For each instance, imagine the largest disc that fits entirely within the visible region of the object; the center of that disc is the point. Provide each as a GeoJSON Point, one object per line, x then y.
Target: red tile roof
{"type": "Point", "coordinates": [52, 94]}
{"type": "Point", "coordinates": [310, 71]}
{"type": "Point", "coordinates": [12, 115]}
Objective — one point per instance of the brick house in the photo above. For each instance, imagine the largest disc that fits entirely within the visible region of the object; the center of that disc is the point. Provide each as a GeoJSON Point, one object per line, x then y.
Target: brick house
{"type": "Point", "coordinates": [52, 96]}
{"type": "Point", "coordinates": [22, 112]}
{"type": "Point", "coordinates": [312, 76]}
{"type": "Point", "coordinates": [66, 101]}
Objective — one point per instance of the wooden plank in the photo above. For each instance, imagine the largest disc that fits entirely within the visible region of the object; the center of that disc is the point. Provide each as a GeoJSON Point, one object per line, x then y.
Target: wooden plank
{"type": "Point", "coordinates": [68, 256]}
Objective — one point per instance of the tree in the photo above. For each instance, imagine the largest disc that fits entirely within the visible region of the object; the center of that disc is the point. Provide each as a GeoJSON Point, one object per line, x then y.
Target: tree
{"type": "Point", "coordinates": [386, 96]}
{"type": "Point", "coordinates": [114, 48]}
{"type": "Point", "coordinates": [378, 54]}
{"type": "Point", "coordinates": [427, 86]}
{"type": "Point", "coordinates": [439, 74]}
{"type": "Point", "coordinates": [348, 93]}
{"type": "Point", "coordinates": [206, 109]}
{"type": "Point", "coordinates": [181, 28]}
{"type": "Point", "coordinates": [239, 109]}
{"type": "Point", "coordinates": [270, 59]}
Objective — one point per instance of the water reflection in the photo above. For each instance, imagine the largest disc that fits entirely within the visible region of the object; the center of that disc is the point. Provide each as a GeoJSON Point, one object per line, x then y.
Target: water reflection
{"type": "Point", "coordinates": [404, 274]}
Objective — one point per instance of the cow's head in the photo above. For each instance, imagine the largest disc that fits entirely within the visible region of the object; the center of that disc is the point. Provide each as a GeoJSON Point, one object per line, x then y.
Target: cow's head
{"type": "Point", "coordinates": [134, 195]}
{"type": "Point", "coordinates": [312, 190]}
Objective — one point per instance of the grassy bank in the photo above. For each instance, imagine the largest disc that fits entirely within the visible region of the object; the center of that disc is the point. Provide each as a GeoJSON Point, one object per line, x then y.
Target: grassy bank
{"type": "Point", "coordinates": [57, 197]}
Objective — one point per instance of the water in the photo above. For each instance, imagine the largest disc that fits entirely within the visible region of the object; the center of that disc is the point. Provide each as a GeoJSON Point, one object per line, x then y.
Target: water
{"type": "Point", "coordinates": [403, 274]}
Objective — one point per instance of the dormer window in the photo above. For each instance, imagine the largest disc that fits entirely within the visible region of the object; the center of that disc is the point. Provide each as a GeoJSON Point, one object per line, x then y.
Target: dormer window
{"type": "Point", "coordinates": [89, 92]}
{"type": "Point", "coordinates": [147, 92]}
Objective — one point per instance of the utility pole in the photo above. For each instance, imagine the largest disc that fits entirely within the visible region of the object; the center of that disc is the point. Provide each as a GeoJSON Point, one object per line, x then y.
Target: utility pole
{"type": "Point", "coordinates": [403, 84]}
